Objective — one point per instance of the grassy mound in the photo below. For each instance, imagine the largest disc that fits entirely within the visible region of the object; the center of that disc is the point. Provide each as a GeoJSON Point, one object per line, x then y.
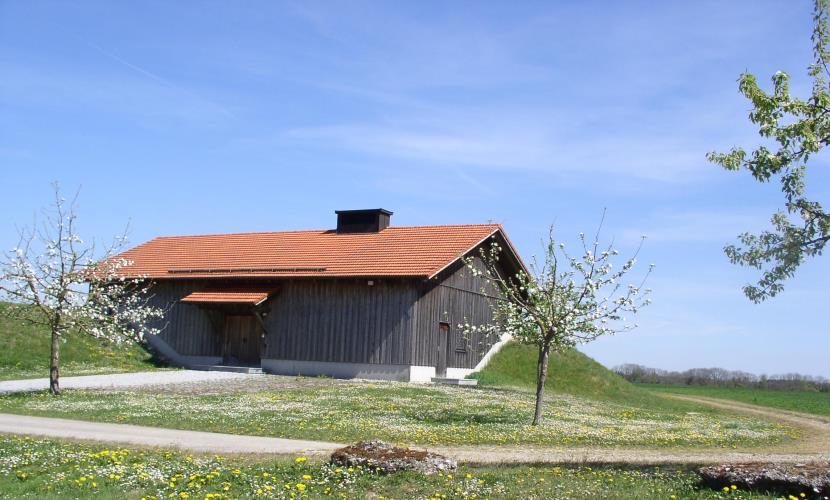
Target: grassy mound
{"type": "Point", "coordinates": [24, 353]}
{"type": "Point", "coordinates": [570, 372]}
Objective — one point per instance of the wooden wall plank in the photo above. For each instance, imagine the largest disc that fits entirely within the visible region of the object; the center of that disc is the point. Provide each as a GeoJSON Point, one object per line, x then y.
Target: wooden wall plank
{"type": "Point", "coordinates": [344, 321]}
{"type": "Point", "coordinates": [392, 322]}
{"type": "Point", "coordinates": [455, 297]}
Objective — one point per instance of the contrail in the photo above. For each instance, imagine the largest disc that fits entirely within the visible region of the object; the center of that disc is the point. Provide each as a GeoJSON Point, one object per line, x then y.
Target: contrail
{"type": "Point", "coordinates": [158, 79]}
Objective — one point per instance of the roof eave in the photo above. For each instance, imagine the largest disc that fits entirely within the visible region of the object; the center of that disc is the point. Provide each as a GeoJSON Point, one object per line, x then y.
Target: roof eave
{"type": "Point", "coordinates": [515, 252]}
{"type": "Point", "coordinates": [498, 230]}
{"type": "Point", "coordinates": [285, 278]}
{"type": "Point", "coordinates": [462, 254]}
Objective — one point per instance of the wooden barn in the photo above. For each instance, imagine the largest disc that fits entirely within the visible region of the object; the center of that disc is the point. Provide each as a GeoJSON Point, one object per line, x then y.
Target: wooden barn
{"type": "Point", "coordinates": [364, 300]}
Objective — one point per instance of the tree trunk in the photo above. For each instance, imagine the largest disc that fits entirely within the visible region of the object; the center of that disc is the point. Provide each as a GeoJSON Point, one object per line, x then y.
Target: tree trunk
{"type": "Point", "coordinates": [54, 385]}
{"type": "Point", "coordinates": [541, 375]}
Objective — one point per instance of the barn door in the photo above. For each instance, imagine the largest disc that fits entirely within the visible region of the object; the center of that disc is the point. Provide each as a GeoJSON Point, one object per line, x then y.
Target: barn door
{"type": "Point", "coordinates": [443, 345]}
{"type": "Point", "coordinates": [242, 340]}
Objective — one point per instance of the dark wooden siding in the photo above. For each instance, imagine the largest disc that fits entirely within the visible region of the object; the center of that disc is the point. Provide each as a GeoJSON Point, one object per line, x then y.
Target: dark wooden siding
{"type": "Point", "coordinates": [455, 297]}
{"type": "Point", "coordinates": [344, 321]}
{"type": "Point", "coordinates": [187, 328]}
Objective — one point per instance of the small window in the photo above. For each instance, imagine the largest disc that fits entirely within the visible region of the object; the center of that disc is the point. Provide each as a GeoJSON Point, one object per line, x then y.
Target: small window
{"type": "Point", "coordinates": [460, 342]}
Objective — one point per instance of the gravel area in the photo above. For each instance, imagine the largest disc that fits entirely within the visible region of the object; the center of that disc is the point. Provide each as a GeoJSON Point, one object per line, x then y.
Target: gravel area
{"type": "Point", "coordinates": [155, 379]}
{"type": "Point", "coordinates": [254, 383]}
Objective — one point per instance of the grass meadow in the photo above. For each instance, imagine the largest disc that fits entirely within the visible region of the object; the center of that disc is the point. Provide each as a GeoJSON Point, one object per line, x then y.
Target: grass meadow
{"type": "Point", "coordinates": [586, 405]}
{"type": "Point", "coordinates": [38, 468]}
{"type": "Point", "coordinates": [817, 403]}
{"type": "Point", "coordinates": [330, 410]}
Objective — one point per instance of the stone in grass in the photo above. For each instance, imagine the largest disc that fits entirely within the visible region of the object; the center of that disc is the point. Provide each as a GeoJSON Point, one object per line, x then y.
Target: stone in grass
{"type": "Point", "coordinates": [383, 456]}
{"type": "Point", "coordinates": [810, 479]}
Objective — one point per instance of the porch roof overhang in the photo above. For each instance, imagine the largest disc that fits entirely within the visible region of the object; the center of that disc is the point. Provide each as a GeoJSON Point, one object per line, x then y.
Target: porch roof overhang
{"type": "Point", "coordinates": [245, 296]}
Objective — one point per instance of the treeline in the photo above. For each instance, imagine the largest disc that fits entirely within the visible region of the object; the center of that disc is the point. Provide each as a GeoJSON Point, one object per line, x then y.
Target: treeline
{"type": "Point", "coordinates": [720, 377]}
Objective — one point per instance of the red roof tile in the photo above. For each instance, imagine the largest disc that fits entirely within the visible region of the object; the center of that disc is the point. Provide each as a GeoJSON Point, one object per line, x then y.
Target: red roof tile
{"type": "Point", "coordinates": [247, 295]}
{"type": "Point", "coordinates": [394, 252]}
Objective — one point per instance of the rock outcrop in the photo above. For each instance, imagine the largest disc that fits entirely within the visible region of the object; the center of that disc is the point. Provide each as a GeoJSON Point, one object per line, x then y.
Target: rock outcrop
{"type": "Point", "coordinates": [387, 458]}
{"type": "Point", "coordinates": [810, 479]}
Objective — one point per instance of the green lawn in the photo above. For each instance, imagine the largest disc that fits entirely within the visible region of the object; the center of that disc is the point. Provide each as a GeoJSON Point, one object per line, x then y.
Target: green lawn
{"type": "Point", "coordinates": [804, 401]}
{"type": "Point", "coordinates": [586, 405]}
{"type": "Point", "coordinates": [24, 353]}
{"type": "Point", "coordinates": [52, 469]}
{"type": "Point", "coordinates": [330, 410]}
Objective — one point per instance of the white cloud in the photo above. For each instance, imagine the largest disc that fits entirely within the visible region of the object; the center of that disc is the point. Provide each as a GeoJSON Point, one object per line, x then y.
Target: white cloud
{"type": "Point", "coordinates": [698, 226]}
{"type": "Point", "coordinates": [513, 145]}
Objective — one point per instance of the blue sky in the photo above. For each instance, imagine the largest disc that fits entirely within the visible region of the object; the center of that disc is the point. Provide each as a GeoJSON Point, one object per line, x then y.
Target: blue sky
{"type": "Point", "coordinates": [202, 117]}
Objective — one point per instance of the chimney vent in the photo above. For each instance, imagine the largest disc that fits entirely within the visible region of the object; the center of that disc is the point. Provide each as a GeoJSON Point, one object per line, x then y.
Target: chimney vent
{"type": "Point", "coordinates": [370, 220]}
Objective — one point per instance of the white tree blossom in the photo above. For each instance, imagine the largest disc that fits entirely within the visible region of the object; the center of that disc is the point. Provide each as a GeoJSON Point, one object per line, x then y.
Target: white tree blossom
{"type": "Point", "coordinates": [55, 280]}
{"type": "Point", "coordinates": [565, 301]}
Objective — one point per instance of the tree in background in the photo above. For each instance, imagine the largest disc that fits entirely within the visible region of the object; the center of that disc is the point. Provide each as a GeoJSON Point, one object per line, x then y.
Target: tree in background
{"type": "Point", "coordinates": [800, 129]}
{"type": "Point", "coordinates": [567, 301]}
{"type": "Point", "coordinates": [720, 377]}
{"type": "Point", "coordinates": [54, 280]}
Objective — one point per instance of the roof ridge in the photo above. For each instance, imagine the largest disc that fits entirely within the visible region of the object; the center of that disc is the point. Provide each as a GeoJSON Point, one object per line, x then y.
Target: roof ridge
{"type": "Point", "coordinates": [297, 231]}
{"type": "Point", "coordinates": [395, 251]}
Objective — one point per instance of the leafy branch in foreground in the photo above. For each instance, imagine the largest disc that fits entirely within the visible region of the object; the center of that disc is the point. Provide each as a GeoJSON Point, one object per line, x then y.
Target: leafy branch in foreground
{"type": "Point", "coordinates": [567, 301]}
{"type": "Point", "coordinates": [800, 129]}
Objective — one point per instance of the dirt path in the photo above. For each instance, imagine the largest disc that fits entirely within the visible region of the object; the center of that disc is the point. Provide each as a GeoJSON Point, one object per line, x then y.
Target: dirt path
{"type": "Point", "coordinates": [816, 428]}
{"type": "Point", "coordinates": [815, 446]}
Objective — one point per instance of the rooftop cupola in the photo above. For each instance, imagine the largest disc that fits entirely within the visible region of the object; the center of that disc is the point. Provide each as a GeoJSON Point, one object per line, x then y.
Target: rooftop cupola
{"type": "Point", "coordinates": [371, 220]}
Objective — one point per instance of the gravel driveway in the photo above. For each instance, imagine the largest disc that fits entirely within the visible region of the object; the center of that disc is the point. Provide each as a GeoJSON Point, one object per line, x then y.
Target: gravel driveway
{"type": "Point", "coordinates": [123, 380]}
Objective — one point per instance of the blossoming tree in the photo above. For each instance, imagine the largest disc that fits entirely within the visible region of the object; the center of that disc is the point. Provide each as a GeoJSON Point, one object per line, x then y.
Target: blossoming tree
{"type": "Point", "coordinates": [54, 280]}
{"type": "Point", "coordinates": [566, 301]}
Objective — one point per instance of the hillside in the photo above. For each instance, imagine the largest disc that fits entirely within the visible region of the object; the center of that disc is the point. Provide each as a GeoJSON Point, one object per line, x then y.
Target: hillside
{"type": "Point", "coordinates": [570, 373]}
{"type": "Point", "coordinates": [24, 353]}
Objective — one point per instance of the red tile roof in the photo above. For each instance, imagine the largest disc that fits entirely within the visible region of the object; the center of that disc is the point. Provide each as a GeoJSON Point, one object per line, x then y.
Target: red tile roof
{"type": "Point", "coordinates": [394, 252]}
{"type": "Point", "coordinates": [248, 295]}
